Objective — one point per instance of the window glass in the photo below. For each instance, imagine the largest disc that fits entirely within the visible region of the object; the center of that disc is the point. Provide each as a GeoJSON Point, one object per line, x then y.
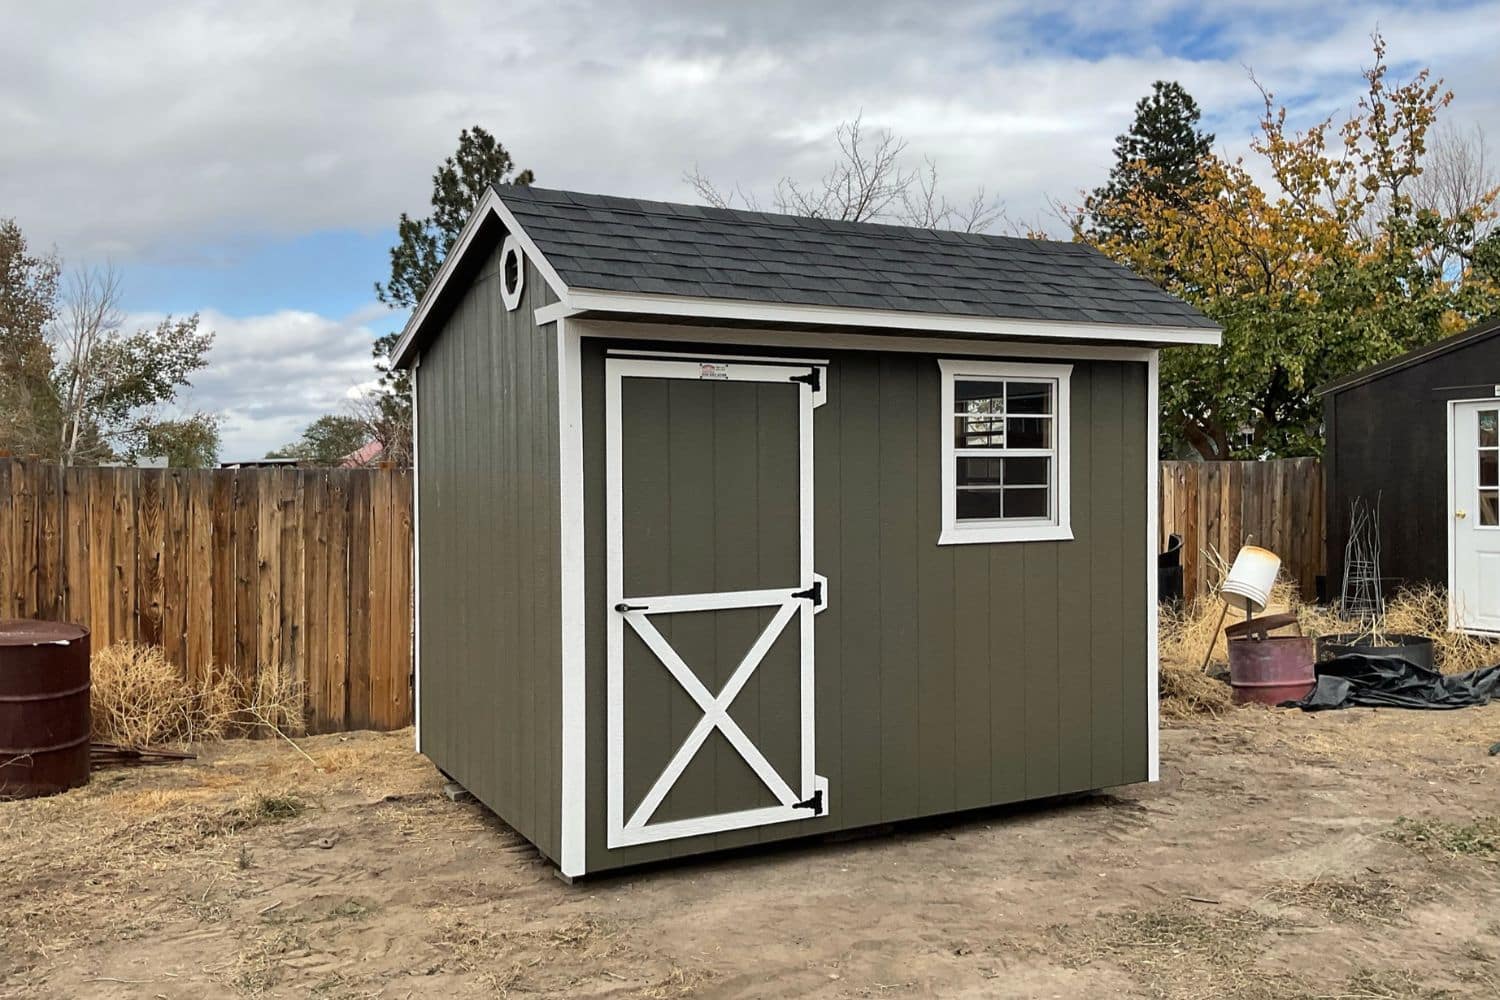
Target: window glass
{"type": "Point", "coordinates": [978, 432]}
{"type": "Point", "coordinates": [1028, 432]}
{"type": "Point", "coordinates": [1489, 428]}
{"type": "Point", "coordinates": [999, 426]}
{"type": "Point", "coordinates": [979, 504]}
{"type": "Point", "coordinates": [1489, 508]}
{"type": "Point", "coordinates": [1026, 471]}
{"type": "Point", "coordinates": [1026, 503]}
{"type": "Point", "coordinates": [1028, 397]}
{"type": "Point", "coordinates": [979, 397]}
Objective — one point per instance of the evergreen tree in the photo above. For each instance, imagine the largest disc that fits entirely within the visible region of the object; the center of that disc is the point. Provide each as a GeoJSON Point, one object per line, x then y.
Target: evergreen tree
{"type": "Point", "coordinates": [457, 185]}
{"type": "Point", "coordinates": [1159, 155]}
{"type": "Point", "coordinates": [423, 244]}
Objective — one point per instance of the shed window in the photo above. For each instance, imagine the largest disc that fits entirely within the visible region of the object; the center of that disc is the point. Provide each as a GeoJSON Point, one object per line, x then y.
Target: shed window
{"type": "Point", "coordinates": [1005, 452]}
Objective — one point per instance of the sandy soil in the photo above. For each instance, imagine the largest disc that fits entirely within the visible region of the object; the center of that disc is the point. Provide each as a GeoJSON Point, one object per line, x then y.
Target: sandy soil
{"type": "Point", "coordinates": [1352, 854]}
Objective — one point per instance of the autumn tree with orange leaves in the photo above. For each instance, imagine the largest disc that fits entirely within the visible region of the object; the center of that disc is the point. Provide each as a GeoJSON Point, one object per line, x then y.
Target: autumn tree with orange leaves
{"type": "Point", "coordinates": [1339, 264]}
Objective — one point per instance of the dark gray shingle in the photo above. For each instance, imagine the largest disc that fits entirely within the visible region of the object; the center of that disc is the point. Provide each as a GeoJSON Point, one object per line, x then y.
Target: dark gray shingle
{"type": "Point", "coordinates": [625, 244]}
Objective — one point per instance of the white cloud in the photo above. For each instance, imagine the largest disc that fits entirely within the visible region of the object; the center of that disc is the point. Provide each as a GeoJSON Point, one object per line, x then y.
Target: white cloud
{"type": "Point", "coordinates": [146, 132]}
{"type": "Point", "coordinates": [269, 376]}
{"type": "Point", "coordinates": [133, 128]}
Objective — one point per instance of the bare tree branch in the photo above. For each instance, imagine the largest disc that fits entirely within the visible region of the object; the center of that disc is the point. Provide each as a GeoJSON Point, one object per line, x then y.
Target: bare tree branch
{"type": "Point", "coordinates": [91, 316]}
{"type": "Point", "coordinates": [867, 182]}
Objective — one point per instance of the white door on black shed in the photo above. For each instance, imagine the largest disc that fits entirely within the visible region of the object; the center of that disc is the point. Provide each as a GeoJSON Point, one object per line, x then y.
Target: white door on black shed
{"type": "Point", "coordinates": [711, 597]}
{"type": "Point", "coordinates": [1474, 439]}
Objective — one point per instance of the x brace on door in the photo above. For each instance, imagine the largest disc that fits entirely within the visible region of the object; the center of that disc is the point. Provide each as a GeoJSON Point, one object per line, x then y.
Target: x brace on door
{"type": "Point", "coordinates": [715, 712]}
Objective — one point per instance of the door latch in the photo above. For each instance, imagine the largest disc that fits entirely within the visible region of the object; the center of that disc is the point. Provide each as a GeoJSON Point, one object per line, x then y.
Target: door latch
{"type": "Point", "coordinates": [624, 608]}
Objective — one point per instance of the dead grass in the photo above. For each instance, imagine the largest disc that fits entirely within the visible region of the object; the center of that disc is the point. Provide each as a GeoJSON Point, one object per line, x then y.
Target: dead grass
{"type": "Point", "coordinates": [1389, 984]}
{"type": "Point", "coordinates": [139, 698]}
{"type": "Point", "coordinates": [1178, 951]}
{"type": "Point", "coordinates": [1370, 901]}
{"type": "Point", "coordinates": [1187, 632]}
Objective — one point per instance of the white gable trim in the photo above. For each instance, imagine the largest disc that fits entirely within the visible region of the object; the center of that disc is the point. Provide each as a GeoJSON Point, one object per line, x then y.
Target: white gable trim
{"type": "Point", "coordinates": [580, 300]}
{"type": "Point", "coordinates": [489, 205]}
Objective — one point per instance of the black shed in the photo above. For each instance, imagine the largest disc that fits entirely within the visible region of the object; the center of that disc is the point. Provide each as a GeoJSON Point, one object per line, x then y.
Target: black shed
{"type": "Point", "coordinates": [1421, 434]}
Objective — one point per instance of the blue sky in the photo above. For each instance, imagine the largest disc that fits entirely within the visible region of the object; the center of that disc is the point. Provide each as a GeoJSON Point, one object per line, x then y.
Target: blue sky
{"type": "Point", "coordinates": [248, 160]}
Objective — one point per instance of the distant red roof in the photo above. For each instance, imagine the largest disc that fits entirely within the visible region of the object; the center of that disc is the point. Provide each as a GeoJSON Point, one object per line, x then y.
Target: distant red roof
{"type": "Point", "coordinates": [365, 455]}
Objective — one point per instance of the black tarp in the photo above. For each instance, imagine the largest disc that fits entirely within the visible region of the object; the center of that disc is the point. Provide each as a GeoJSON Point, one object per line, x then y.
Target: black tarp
{"type": "Point", "coordinates": [1393, 682]}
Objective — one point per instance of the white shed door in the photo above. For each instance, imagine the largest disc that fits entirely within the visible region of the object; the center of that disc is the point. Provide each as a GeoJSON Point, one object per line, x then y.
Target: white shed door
{"type": "Point", "coordinates": [711, 597]}
{"type": "Point", "coordinates": [1475, 461]}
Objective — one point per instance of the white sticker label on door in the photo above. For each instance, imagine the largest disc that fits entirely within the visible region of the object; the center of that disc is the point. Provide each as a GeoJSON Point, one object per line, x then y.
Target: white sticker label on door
{"type": "Point", "coordinates": [707, 370]}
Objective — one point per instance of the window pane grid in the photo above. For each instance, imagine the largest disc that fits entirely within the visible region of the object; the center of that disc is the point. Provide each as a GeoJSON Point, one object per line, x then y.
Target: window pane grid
{"type": "Point", "coordinates": [1003, 448]}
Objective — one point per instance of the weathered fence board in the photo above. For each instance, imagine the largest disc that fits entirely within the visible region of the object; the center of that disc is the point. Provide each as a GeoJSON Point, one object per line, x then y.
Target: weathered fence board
{"type": "Point", "coordinates": [303, 572]}
{"type": "Point", "coordinates": [1219, 506]}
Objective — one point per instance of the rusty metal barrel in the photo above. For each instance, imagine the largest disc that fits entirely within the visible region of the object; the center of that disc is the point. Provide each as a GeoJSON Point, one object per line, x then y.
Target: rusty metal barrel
{"type": "Point", "coordinates": [44, 708]}
{"type": "Point", "coordinates": [1269, 669]}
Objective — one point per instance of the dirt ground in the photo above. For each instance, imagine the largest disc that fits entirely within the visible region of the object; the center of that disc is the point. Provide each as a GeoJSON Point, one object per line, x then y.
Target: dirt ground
{"type": "Point", "coordinates": [1352, 854]}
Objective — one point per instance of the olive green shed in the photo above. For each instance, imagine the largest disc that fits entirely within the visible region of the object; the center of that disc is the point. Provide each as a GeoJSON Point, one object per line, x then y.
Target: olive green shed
{"type": "Point", "coordinates": [734, 527]}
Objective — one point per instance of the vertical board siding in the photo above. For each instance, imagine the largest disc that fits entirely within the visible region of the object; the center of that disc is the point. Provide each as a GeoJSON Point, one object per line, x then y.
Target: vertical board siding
{"type": "Point", "coordinates": [947, 677]}
{"type": "Point", "coordinates": [490, 545]}
{"type": "Point", "coordinates": [227, 570]}
{"type": "Point", "coordinates": [1219, 506]}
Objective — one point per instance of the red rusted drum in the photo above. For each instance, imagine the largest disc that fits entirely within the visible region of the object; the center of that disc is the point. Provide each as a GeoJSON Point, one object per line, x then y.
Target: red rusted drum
{"type": "Point", "coordinates": [44, 708]}
{"type": "Point", "coordinates": [1269, 669]}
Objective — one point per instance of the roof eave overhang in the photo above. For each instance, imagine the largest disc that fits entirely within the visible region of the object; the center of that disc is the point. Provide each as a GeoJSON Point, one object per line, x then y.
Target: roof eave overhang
{"type": "Point", "coordinates": [598, 304]}
{"type": "Point", "coordinates": [675, 308]}
{"type": "Point", "coordinates": [1413, 357]}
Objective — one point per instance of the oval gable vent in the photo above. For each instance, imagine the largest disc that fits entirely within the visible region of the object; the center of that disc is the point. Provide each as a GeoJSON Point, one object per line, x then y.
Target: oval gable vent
{"type": "Point", "coordinates": [512, 273]}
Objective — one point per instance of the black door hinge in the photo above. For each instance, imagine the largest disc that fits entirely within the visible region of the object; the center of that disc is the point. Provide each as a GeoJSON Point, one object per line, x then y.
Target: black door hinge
{"type": "Point", "coordinates": [815, 803]}
{"type": "Point", "coordinates": [813, 378]}
{"type": "Point", "coordinates": [813, 593]}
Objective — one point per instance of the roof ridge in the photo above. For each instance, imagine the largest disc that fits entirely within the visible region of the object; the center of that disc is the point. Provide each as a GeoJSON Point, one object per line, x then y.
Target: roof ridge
{"type": "Point", "coordinates": [888, 230]}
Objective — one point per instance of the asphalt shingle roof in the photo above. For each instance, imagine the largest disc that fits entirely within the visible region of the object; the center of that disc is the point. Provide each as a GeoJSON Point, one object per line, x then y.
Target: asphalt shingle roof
{"type": "Point", "coordinates": [628, 245]}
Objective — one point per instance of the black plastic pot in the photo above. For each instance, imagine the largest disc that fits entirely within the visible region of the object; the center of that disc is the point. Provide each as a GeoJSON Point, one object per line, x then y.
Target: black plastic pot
{"type": "Point", "coordinates": [1416, 648]}
{"type": "Point", "coordinates": [1169, 572]}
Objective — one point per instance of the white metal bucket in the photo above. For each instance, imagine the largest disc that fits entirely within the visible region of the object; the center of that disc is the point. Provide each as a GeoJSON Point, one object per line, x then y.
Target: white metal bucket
{"type": "Point", "coordinates": [1252, 576]}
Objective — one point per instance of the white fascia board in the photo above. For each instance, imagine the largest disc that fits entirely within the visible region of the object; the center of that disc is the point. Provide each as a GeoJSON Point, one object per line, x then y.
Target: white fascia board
{"type": "Point", "coordinates": [490, 204]}
{"type": "Point", "coordinates": [828, 341]}
{"type": "Point", "coordinates": [584, 300]}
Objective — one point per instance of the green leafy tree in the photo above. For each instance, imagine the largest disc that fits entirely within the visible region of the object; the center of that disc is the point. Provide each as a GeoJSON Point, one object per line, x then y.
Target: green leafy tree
{"type": "Point", "coordinates": [1159, 155]}
{"type": "Point", "coordinates": [327, 440]}
{"type": "Point", "coordinates": [113, 386]}
{"type": "Point", "coordinates": [28, 304]}
{"type": "Point", "coordinates": [190, 442]}
{"type": "Point", "coordinates": [1330, 267]}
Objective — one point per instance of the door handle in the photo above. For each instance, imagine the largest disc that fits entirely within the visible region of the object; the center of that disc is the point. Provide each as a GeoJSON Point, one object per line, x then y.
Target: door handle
{"type": "Point", "coordinates": [1460, 514]}
{"type": "Point", "coordinates": [626, 608]}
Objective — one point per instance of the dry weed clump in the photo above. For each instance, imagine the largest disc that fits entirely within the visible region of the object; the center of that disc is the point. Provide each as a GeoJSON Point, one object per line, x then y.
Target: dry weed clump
{"type": "Point", "coordinates": [1365, 901]}
{"type": "Point", "coordinates": [139, 698]}
{"type": "Point", "coordinates": [1186, 632]}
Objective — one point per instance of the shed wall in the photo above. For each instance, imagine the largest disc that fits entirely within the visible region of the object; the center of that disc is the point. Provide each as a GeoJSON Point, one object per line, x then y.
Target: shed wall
{"type": "Point", "coordinates": [948, 677]}
{"type": "Point", "coordinates": [1388, 439]}
{"type": "Point", "coordinates": [489, 554]}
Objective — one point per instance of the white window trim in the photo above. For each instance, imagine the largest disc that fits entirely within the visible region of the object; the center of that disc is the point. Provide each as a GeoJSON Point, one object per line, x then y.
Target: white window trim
{"type": "Point", "coordinates": [1057, 528]}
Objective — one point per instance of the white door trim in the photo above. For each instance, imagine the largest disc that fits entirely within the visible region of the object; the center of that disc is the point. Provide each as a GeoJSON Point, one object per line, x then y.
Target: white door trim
{"type": "Point", "coordinates": [636, 609]}
{"type": "Point", "coordinates": [1454, 625]}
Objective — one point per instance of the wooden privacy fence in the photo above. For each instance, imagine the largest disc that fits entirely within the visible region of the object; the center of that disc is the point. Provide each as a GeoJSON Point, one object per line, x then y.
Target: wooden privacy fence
{"type": "Point", "coordinates": [303, 571]}
{"type": "Point", "coordinates": [1276, 504]}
